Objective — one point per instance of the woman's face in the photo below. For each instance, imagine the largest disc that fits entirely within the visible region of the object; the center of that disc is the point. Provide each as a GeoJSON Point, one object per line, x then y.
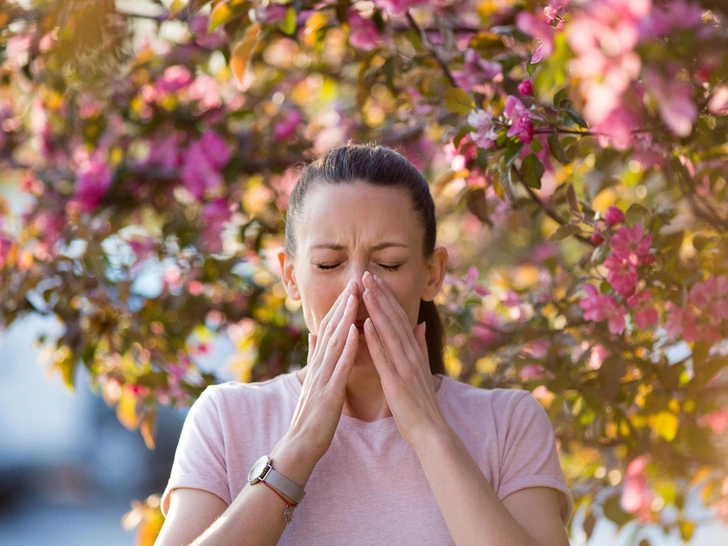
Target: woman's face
{"type": "Point", "coordinates": [347, 229]}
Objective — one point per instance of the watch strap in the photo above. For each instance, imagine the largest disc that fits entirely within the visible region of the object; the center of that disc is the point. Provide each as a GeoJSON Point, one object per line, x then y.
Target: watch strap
{"type": "Point", "coordinates": [285, 486]}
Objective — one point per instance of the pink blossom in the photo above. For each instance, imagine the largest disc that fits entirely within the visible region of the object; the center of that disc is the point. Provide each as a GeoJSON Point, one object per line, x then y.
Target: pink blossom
{"type": "Point", "coordinates": [717, 420]}
{"type": "Point", "coordinates": [214, 216]}
{"type": "Point", "coordinates": [216, 148]}
{"type": "Point", "coordinates": [521, 126]}
{"type": "Point", "coordinates": [622, 275]}
{"type": "Point", "coordinates": [164, 150]}
{"type": "Point", "coordinates": [288, 125]}
{"type": "Point", "coordinates": [470, 281]}
{"type": "Point", "coordinates": [550, 14]}
{"type": "Point", "coordinates": [173, 79]}
{"type": "Point", "coordinates": [614, 216]}
{"type": "Point", "coordinates": [206, 91]}
{"type": "Point", "coordinates": [198, 174]}
{"type": "Point", "coordinates": [598, 307]}
{"type": "Point", "coordinates": [719, 101]}
{"type": "Point", "coordinates": [93, 179]}
{"type": "Point", "coordinates": [271, 14]}
{"type": "Point", "coordinates": [6, 244]}
{"type": "Point", "coordinates": [484, 135]}
{"type": "Point", "coordinates": [675, 102]}
{"type": "Point", "coordinates": [596, 239]}
{"type": "Point", "coordinates": [531, 371]}
{"type": "Point", "coordinates": [536, 27]}
{"type": "Point", "coordinates": [537, 348]}
{"type": "Point", "coordinates": [476, 70]}
{"type": "Point", "coordinates": [681, 321]}
{"type": "Point", "coordinates": [525, 88]}
{"type": "Point", "coordinates": [198, 28]}
{"type": "Point", "coordinates": [631, 244]}
{"type": "Point", "coordinates": [364, 34]}
{"type": "Point", "coordinates": [597, 357]}
{"type": "Point", "coordinates": [486, 333]}
{"type": "Point", "coordinates": [397, 7]}
{"type": "Point", "coordinates": [644, 314]}
{"type": "Point", "coordinates": [636, 497]}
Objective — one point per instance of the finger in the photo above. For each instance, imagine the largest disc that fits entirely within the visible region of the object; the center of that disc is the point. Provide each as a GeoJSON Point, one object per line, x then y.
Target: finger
{"type": "Point", "coordinates": [335, 344]}
{"type": "Point", "coordinates": [397, 315]}
{"type": "Point", "coordinates": [422, 341]}
{"type": "Point", "coordinates": [376, 350]}
{"type": "Point", "coordinates": [311, 346]}
{"type": "Point", "coordinates": [345, 364]}
{"type": "Point", "coordinates": [389, 334]}
{"type": "Point", "coordinates": [332, 318]}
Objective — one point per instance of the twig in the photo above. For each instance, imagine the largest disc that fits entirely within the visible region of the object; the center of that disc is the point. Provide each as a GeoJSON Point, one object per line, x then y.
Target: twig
{"type": "Point", "coordinates": [428, 45]}
{"type": "Point", "coordinates": [546, 208]}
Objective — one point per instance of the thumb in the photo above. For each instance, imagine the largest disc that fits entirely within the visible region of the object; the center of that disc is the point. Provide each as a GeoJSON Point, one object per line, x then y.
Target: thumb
{"type": "Point", "coordinates": [311, 345]}
{"type": "Point", "coordinates": [422, 339]}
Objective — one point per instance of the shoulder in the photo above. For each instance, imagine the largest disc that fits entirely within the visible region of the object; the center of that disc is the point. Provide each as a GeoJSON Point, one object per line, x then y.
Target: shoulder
{"type": "Point", "coordinates": [502, 400]}
{"type": "Point", "coordinates": [235, 391]}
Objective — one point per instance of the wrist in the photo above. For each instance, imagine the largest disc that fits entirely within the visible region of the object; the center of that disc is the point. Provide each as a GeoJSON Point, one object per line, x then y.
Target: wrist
{"type": "Point", "coordinates": [293, 460]}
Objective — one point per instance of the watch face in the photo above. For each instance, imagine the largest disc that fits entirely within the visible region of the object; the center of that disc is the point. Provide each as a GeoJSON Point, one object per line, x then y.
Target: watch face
{"type": "Point", "coordinates": [257, 470]}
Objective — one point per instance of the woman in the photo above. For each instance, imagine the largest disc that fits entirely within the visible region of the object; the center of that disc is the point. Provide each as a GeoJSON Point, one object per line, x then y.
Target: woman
{"type": "Point", "coordinates": [388, 449]}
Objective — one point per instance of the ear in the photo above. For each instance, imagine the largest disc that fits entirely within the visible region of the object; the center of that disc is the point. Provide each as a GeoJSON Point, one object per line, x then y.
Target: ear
{"type": "Point", "coordinates": [436, 269]}
{"type": "Point", "coordinates": [288, 274]}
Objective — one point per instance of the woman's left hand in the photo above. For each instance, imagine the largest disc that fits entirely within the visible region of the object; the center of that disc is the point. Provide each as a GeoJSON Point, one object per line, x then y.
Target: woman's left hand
{"type": "Point", "coordinates": [400, 355]}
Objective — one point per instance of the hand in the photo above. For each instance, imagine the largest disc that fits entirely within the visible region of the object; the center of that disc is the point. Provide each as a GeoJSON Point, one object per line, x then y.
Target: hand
{"type": "Point", "coordinates": [400, 355]}
{"type": "Point", "coordinates": [331, 356]}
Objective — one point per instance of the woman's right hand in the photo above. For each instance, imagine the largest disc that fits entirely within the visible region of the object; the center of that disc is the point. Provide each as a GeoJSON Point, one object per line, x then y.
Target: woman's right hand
{"type": "Point", "coordinates": [331, 356]}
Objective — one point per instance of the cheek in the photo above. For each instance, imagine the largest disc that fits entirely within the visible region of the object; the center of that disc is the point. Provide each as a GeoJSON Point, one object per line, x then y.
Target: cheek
{"type": "Point", "coordinates": [317, 299]}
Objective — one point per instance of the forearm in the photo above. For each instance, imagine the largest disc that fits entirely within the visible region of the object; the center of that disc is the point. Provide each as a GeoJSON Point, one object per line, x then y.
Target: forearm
{"type": "Point", "coordinates": [472, 511]}
{"type": "Point", "coordinates": [255, 517]}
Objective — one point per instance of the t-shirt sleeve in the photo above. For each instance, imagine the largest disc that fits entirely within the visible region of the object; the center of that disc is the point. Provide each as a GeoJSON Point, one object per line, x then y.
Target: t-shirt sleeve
{"type": "Point", "coordinates": [529, 456]}
{"type": "Point", "coordinates": [199, 461]}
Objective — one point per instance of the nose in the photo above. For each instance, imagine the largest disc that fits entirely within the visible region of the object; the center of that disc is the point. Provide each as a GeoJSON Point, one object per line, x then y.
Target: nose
{"type": "Point", "coordinates": [358, 273]}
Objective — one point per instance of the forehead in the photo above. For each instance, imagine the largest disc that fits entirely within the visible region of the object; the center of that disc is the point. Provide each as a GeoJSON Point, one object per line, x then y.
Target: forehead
{"type": "Point", "coordinates": [357, 213]}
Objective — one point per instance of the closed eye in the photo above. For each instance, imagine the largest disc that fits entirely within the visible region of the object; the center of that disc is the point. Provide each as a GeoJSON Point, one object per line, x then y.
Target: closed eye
{"type": "Point", "coordinates": [387, 267]}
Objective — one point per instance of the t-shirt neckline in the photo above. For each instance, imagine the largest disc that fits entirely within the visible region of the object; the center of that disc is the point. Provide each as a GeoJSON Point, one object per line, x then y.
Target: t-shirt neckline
{"type": "Point", "coordinates": [352, 423]}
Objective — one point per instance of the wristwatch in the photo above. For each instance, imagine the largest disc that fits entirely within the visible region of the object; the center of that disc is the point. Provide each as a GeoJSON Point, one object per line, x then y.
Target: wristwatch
{"type": "Point", "coordinates": [263, 471]}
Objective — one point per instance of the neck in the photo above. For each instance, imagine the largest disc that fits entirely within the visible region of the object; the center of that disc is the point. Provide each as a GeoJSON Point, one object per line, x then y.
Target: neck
{"type": "Point", "coordinates": [365, 398]}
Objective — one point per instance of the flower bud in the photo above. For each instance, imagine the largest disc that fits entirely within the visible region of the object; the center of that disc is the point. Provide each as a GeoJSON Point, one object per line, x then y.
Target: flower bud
{"type": "Point", "coordinates": [614, 216]}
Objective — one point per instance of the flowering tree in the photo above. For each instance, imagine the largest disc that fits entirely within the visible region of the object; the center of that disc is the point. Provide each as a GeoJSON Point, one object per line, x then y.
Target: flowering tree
{"type": "Point", "coordinates": [577, 159]}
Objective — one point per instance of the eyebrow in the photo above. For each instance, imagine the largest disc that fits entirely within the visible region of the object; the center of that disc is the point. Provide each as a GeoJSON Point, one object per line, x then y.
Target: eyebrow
{"type": "Point", "coordinates": [380, 246]}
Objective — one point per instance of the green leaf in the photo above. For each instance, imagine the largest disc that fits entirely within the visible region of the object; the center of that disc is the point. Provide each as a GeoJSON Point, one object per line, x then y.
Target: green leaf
{"type": "Point", "coordinates": [288, 24]}
{"type": "Point", "coordinates": [464, 130]}
{"type": "Point", "coordinates": [512, 150]}
{"type": "Point", "coordinates": [458, 101]}
{"type": "Point", "coordinates": [577, 118]}
{"type": "Point", "coordinates": [565, 231]}
{"type": "Point", "coordinates": [571, 198]}
{"type": "Point", "coordinates": [532, 170]}
{"type": "Point", "coordinates": [557, 150]}
{"type": "Point", "coordinates": [531, 68]}
{"type": "Point", "coordinates": [560, 95]}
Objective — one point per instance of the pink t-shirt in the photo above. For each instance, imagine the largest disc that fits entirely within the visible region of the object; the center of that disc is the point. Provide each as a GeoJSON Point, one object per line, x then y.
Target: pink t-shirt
{"type": "Point", "coordinates": [369, 488]}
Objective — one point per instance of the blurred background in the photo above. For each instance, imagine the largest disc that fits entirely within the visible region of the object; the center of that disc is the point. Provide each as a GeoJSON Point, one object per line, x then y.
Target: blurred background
{"type": "Point", "coordinates": [576, 153]}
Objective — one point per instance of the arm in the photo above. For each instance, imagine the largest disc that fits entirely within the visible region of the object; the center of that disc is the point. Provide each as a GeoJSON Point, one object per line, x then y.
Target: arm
{"type": "Point", "coordinates": [472, 511]}
{"type": "Point", "coordinates": [256, 513]}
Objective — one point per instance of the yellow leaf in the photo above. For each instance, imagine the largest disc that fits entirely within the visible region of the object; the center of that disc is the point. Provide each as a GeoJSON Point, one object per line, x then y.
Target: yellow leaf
{"type": "Point", "coordinates": [665, 424]}
{"type": "Point", "coordinates": [126, 409]}
{"type": "Point", "coordinates": [242, 52]}
{"type": "Point", "coordinates": [314, 23]}
{"type": "Point", "coordinates": [148, 428]}
{"type": "Point", "coordinates": [458, 101]}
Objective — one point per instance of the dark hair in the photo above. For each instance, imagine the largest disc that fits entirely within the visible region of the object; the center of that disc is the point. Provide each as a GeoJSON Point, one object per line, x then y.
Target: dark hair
{"type": "Point", "coordinates": [379, 166]}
